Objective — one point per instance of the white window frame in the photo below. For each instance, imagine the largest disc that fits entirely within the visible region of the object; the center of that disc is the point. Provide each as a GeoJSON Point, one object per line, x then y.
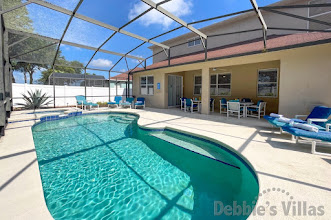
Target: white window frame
{"type": "Point", "coordinates": [194, 40]}
{"type": "Point", "coordinates": [147, 84]}
{"type": "Point", "coordinates": [258, 83]}
{"type": "Point", "coordinates": [217, 74]}
{"type": "Point", "coordinates": [197, 85]}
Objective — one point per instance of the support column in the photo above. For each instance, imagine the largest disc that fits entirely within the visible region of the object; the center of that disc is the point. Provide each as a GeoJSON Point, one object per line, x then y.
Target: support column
{"type": "Point", "coordinates": [109, 86]}
{"type": "Point", "coordinates": [8, 80]}
{"type": "Point", "coordinates": [2, 80]}
{"type": "Point", "coordinates": [205, 91]}
{"type": "Point", "coordinates": [53, 87]}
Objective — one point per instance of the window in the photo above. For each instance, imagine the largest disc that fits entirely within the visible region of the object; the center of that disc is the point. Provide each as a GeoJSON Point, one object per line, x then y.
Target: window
{"type": "Point", "coordinates": [197, 85]}
{"type": "Point", "coordinates": [147, 85]}
{"type": "Point", "coordinates": [194, 42]}
{"type": "Point", "coordinates": [267, 83]}
{"type": "Point", "coordinates": [220, 84]}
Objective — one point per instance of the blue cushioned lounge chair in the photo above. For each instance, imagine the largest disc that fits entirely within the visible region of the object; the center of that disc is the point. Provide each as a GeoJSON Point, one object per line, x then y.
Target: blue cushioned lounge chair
{"type": "Point", "coordinates": [80, 100]}
{"type": "Point", "coordinates": [128, 102]}
{"type": "Point", "coordinates": [140, 102]}
{"type": "Point", "coordinates": [318, 116]}
{"type": "Point", "coordinates": [117, 101]}
{"type": "Point", "coordinates": [324, 136]}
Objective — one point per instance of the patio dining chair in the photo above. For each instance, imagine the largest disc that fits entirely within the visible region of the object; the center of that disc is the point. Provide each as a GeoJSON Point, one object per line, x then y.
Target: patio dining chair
{"type": "Point", "coordinates": [128, 102]}
{"type": "Point", "coordinates": [233, 108]}
{"type": "Point", "coordinates": [117, 101]}
{"type": "Point", "coordinates": [257, 110]}
{"type": "Point", "coordinates": [140, 102]}
{"type": "Point", "coordinates": [189, 105]}
{"type": "Point", "coordinates": [212, 104]}
{"type": "Point", "coordinates": [182, 103]}
{"type": "Point", "coordinates": [246, 100]}
{"type": "Point", "coordinates": [223, 106]}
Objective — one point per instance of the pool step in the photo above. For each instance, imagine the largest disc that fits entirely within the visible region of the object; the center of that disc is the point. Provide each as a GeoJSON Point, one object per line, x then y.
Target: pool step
{"type": "Point", "coordinates": [190, 146]}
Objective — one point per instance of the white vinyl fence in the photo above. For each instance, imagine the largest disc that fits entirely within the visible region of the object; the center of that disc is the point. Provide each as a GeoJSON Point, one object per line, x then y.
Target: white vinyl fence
{"type": "Point", "coordinates": [65, 95]}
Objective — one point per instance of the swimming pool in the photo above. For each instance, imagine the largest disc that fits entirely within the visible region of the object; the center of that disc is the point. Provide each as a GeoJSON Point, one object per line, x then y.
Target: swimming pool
{"type": "Point", "coordinates": [103, 166]}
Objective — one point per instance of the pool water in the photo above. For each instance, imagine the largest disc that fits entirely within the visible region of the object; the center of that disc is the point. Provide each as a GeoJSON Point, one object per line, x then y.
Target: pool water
{"type": "Point", "coordinates": [46, 112]}
{"type": "Point", "coordinates": [103, 166]}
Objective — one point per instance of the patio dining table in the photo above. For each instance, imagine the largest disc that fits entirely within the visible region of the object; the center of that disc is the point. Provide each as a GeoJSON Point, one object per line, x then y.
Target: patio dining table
{"type": "Point", "coordinates": [245, 105]}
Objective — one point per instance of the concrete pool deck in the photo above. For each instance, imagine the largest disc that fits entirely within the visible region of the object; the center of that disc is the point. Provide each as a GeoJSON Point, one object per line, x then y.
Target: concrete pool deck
{"type": "Point", "coordinates": [278, 161]}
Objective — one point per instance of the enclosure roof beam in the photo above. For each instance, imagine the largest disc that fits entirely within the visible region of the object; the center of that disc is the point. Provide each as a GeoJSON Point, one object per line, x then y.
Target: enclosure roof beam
{"type": "Point", "coordinates": [112, 35]}
{"type": "Point", "coordinates": [19, 41]}
{"type": "Point", "coordinates": [259, 14]}
{"type": "Point", "coordinates": [65, 30]}
{"type": "Point", "coordinates": [96, 22]}
{"type": "Point", "coordinates": [297, 6]}
{"type": "Point", "coordinates": [15, 7]}
{"type": "Point", "coordinates": [297, 16]}
{"type": "Point", "coordinates": [71, 43]}
{"type": "Point", "coordinates": [173, 17]}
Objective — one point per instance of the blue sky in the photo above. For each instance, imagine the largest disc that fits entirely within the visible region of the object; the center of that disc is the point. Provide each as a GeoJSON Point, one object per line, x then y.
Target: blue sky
{"type": "Point", "coordinates": [117, 13]}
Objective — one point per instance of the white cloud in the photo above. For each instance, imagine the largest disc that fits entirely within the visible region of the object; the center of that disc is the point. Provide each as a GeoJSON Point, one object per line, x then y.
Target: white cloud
{"type": "Point", "coordinates": [102, 63]}
{"type": "Point", "coordinates": [176, 7]}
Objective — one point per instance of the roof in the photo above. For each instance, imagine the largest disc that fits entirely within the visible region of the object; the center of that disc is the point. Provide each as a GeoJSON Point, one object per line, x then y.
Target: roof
{"type": "Point", "coordinates": [217, 25]}
{"type": "Point", "coordinates": [121, 76]}
{"type": "Point", "coordinates": [251, 47]}
{"type": "Point", "coordinates": [76, 76]}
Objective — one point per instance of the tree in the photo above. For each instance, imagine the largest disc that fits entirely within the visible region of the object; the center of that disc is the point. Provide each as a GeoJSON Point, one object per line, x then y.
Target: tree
{"type": "Point", "coordinates": [29, 68]}
{"type": "Point", "coordinates": [17, 19]}
{"type": "Point", "coordinates": [64, 68]}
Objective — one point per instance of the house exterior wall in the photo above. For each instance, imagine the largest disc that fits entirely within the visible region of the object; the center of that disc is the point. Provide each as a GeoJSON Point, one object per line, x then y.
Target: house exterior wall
{"type": "Point", "coordinates": [304, 78]}
{"type": "Point", "coordinates": [240, 23]}
{"type": "Point", "coordinates": [243, 83]}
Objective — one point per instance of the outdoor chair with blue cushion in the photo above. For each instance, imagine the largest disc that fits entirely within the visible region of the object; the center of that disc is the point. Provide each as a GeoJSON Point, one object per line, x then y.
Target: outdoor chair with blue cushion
{"type": "Point", "coordinates": [80, 100]}
{"type": "Point", "coordinates": [140, 102]}
{"type": "Point", "coordinates": [223, 106]}
{"type": "Point", "coordinates": [182, 103]}
{"type": "Point", "coordinates": [246, 100]}
{"type": "Point", "coordinates": [212, 104]}
{"type": "Point", "coordinates": [189, 105]}
{"type": "Point", "coordinates": [319, 115]}
{"type": "Point", "coordinates": [128, 102]}
{"type": "Point", "coordinates": [117, 101]}
{"type": "Point", "coordinates": [323, 136]}
{"type": "Point", "coordinates": [233, 108]}
{"type": "Point", "coordinates": [257, 110]}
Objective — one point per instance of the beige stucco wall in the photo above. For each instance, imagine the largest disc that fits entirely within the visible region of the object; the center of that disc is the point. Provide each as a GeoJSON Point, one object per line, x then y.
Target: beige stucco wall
{"type": "Point", "coordinates": [243, 83]}
{"type": "Point", "coordinates": [305, 80]}
{"type": "Point", "coordinates": [304, 77]}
